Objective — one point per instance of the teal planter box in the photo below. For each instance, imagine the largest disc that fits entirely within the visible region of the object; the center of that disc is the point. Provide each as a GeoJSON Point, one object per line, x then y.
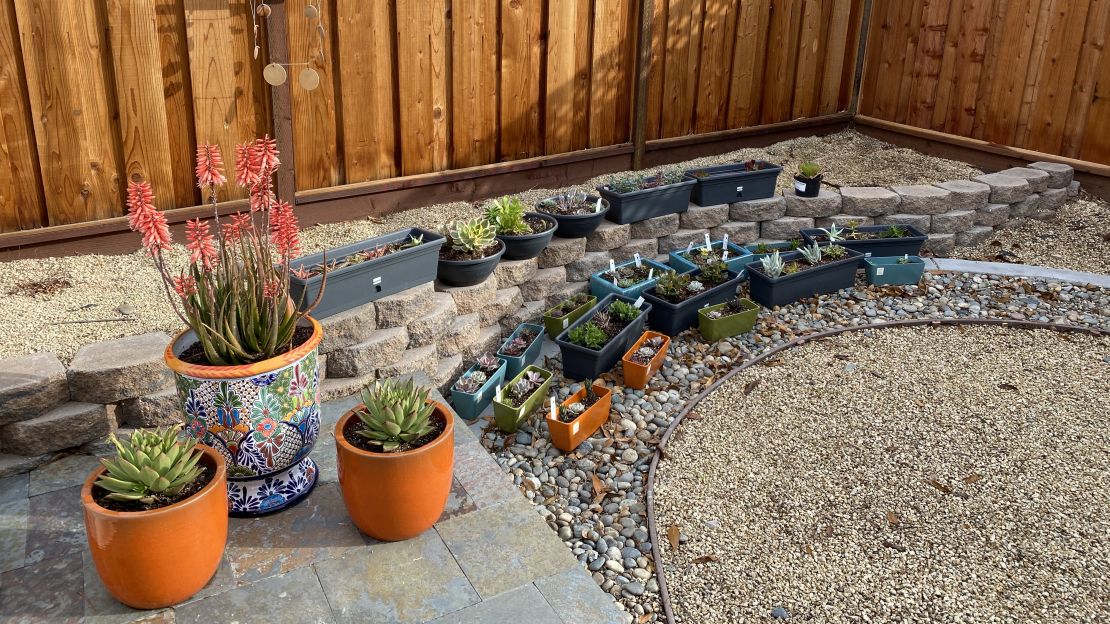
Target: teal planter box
{"type": "Point", "coordinates": [737, 262]}
{"type": "Point", "coordinates": [887, 271]}
{"type": "Point", "coordinates": [725, 327]}
{"type": "Point", "coordinates": [507, 417]}
{"type": "Point", "coordinates": [516, 363]}
{"type": "Point", "coordinates": [469, 406]}
{"type": "Point", "coordinates": [599, 287]}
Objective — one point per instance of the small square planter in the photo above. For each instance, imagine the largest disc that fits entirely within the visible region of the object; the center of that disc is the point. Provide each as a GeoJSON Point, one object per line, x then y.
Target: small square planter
{"type": "Point", "coordinates": [888, 272]}
{"type": "Point", "coordinates": [583, 363]}
{"type": "Point", "coordinates": [737, 257]}
{"type": "Point", "coordinates": [906, 245]}
{"type": "Point", "coordinates": [807, 187]}
{"type": "Point", "coordinates": [649, 203]}
{"type": "Point", "coordinates": [673, 318]}
{"type": "Point", "coordinates": [599, 286]}
{"type": "Point", "coordinates": [517, 363]}
{"type": "Point", "coordinates": [508, 418]}
{"type": "Point", "coordinates": [730, 183]}
{"type": "Point", "coordinates": [567, 436]}
{"type": "Point", "coordinates": [776, 291]}
{"type": "Point", "coordinates": [638, 375]}
{"type": "Point", "coordinates": [733, 325]}
{"type": "Point", "coordinates": [556, 324]}
{"type": "Point", "coordinates": [469, 406]}
{"type": "Point", "coordinates": [358, 284]}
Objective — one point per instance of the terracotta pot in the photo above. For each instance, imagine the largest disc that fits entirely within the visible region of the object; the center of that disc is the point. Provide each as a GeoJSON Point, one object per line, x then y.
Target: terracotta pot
{"type": "Point", "coordinates": [158, 558]}
{"type": "Point", "coordinates": [395, 496]}
{"type": "Point", "coordinates": [567, 436]}
{"type": "Point", "coordinates": [263, 418]}
{"type": "Point", "coordinates": [637, 375]}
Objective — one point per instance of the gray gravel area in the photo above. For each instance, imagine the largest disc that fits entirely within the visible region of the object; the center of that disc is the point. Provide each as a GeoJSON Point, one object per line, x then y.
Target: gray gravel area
{"type": "Point", "coordinates": [917, 474]}
{"type": "Point", "coordinates": [607, 533]}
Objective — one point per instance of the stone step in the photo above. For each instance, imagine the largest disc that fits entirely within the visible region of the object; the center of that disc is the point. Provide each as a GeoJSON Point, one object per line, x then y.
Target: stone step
{"type": "Point", "coordinates": [447, 370]}
{"type": "Point", "coordinates": [543, 283]}
{"type": "Point", "coordinates": [66, 426]}
{"type": "Point", "coordinates": [608, 236]}
{"type": "Point", "coordinates": [462, 333]}
{"type": "Point", "coordinates": [153, 410]}
{"type": "Point", "coordinates": [423, 359]}
{"type": "Point", "coordinates": [113, 370]}
{"type": "Point", "coordinates": [348, 328]}
{"type": "Point", "coordinates": [384, 347]}
{"type": "Point", "coordinates": [703, 217]}
{"type": "Point", "coordinates": [396, 310]}
{"type": "Point", "coordinates": [566, 291]}
{"type": "Point", "coordinates": [340, 387]}
{"type": "Point", "coordinates": [826, 204]}
{"type": "Point", "coordinates": [530, 312]}
{"type": "Point", "coordinates": [589, 263]}
{"type": "Point", "coordinates": [470, 299]}
{"type": "Point", "coordinates": [504, 302]}
{"type": "Point", "coordinates": [31, 385]}
{"type": "Point", "coordinates": [489, 339]}
{"type": "Point", "coordinates": [434, 323]}
{"type": "Point", "coordinates": [515, 272]}
{"type": "Point", "coordinates": [561, 252]}
{"type": "Point", "coordinates": [655, 227]}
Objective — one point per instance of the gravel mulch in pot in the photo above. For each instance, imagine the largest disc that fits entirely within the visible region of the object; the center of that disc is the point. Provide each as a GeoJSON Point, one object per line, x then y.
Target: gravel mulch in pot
{"type": "Point", "coordinates": [915, 474]}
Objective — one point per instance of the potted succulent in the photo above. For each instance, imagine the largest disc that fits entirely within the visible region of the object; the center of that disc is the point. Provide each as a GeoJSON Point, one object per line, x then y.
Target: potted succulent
{"type": "Point", "coordinates": [870, 240]}
{"type": "Point", "coordinates": [474, 389]}
{"type": "Point", "coordinates": [395, 453]}
{"type": "Point", "coordinates": [902, 270]}
{"type": "Point", "coordinates": [734, 256]}
{"type": "Point", "coordinates": [780, 279]}
{"type": "Point", "coordinates": [578, 214]}
{"type": "Point", "coordinates": [758, 250]}
{"type": "Point", "coordinates": [470, 253]}
{"type": "Point", "coordinates": [525, 234]}
{"type": "Point", "coordinates": [156, 518]}
{"type": "Point", "coordinates": [520, 397]}
{"type": "Point", "coordinates": [627, 279]}
{"type": "Point", "coordinates": [634, 197]}
{"type": "Point", "coordinates": [731, 318]}
{"type": "Point", "coordinates": [246, 370]}
{"type": "Point", "coordinates": [644, 359]}
{"type": "Point", "coordinates": [725, 184]}
{"type": "Point", "coordinates": [521, 348]}
{"type": "Point", "coordinates": [595, 342]}
{"type": "Point", "coordinates": [807, 182]}
{"type": "Point", "coordinates": [579, 416]}
{"type": "Point", "coordinates": [570, 310]}
{"type": "Point", "coordinates": [365, 271]}
{"type": "Point", "coordinates": [675, 299]}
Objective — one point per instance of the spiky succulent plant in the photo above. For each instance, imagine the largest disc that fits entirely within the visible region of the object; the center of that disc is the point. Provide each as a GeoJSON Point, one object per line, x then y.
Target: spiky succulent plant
{"type": "Point", "coordinates": [471, 236]}
{"type": "Point", "coordinates": [772, 264]}
{"type": "Point", "coordinates": [624, 311]}
{"type": "Point", "coordinates": [834, 232]}
{"type": "Point", "coordinates": [671, 284]}
{"type": "Point", "coordinates": [809, 169]}
{"type": "Point", "coordinates": [471, 382]}
{"type": "Point", "coordinates": [150, 465]}
{"type": "Point", "coordinates": [588, 335]}
{"type": "Point", "coordinates": [488, 362]}
{"type": "Point", "coordinates": [812, 254]}
{"type": "Point", "coordinates": [714, 273]}
{"type": "Point", "coordinates": [507, 216]}
{"type": "Point", "coordinates": [394, 413]}
{"type": "Point", "coordinates": [836, 252]}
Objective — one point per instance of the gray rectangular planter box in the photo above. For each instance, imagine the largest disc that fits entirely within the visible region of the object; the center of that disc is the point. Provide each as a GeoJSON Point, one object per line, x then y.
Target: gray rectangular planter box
{"type": "Point", "coordinates": [358, 284]}
{"type": "Point", "coordinates": [584, 363]}
{"type": "Point", "coordinates": [732, 183]}
{"type": "Point", "coordinates": [636, 206]}
{"type": "Point", "coordinates": [826, 278]}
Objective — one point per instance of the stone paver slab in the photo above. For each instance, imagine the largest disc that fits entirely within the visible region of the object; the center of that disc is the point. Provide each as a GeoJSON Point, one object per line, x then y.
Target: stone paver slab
{"type": "Point", "coordinates": [576, 598]}
{"type": "Point", "coordinates": [1059, 175]}
{"type": "Point", "coordinates": [47, 591]}
{"type": "Point", "coordinates": [62, 473]}
{"type": "Point", "coordinates": [113, 370]}
{"type": "Point", "coordinates": [349, 327]}
{"type": "Point", "coordinates": [56, 525]}
{"type": "Point", "coordinates": [521, 605]}
{"type": "Point", "coordinates": [31, 385]}
{"type": "Point", "coordinates": [459, 502]}
{"type": "Point", "coordinates": [15, 487]}
{"type": "Point", "coordinates": [1005, 189]}
{"type": "Point", "coordinates": [14, 525]}
{"type": "Point", "coordinates": [292, 597]}
{"type": "Point", "coordinates": [414, 580]}
{"type": "Point", "coordinates": [1037, 179]}
{"type": "Point", "coordinates": [485, 483]}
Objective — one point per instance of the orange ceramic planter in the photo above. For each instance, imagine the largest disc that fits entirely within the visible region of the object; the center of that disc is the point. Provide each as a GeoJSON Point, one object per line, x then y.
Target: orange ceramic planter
{"type": "Point", "coordinates": [395, 496]}
{"type": "Point", "coordinates": [637, 375]}
{"type": "Point", "coordinates": [154, 559]}
{"type": "Point", "coordinates": [567, 436]}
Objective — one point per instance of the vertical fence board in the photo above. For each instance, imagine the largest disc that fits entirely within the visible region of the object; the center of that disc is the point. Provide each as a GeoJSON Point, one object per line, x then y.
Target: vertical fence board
{"type": "Point", "coordinates": [64, 53]}
{"type": "Point", "coordinates": [1057, 74]}
{"type": "Point", "coordinates": [927, 68]}
{"type": "Point", "coordinates": [611, 73]}
{"type": "Point", "coordinates": [717, 40]}
{"type": "Point", "coordinates": [913, 34]}
{"type": "Point", "coordinates": [568, 76]}
{"type": "Point", "coordinates": [521, 134]}
{"type": "Point", "coordinates": [315, 132]}
{"type": "Point", "coordinates": [834, 60]}
{"type": "Point", "coordinates": [811, 46]}
{"type": "Point", "coordinates": [473, 82]}
{"type": "Point", "coordinates": [1096, 145]}
{"type": "Point", "coordinates": [657, 71]}
{"type": "Point", "coordinates": [1093, 52]}
{"type": "Point", "coordinates": [874, 64]}
{"type": "Point", "coordinates": [946, 76]}
{"type": "Point", "coordinates": [20, 185]}
{"type": "Point", "coordinates": [782, 58]}
{"type": "Point", "coordinates": [1004, 104]}
{"type": "Point", "coordinates": [748, 61]}
{"type": "Point", "coordinates": [177, 93]}
{"type": "Point", "coordinates": [684, 23]}
{"type": "Point", "coordinates": [367, 90]}
{"type": "Point", "coordinates": [422, 59]}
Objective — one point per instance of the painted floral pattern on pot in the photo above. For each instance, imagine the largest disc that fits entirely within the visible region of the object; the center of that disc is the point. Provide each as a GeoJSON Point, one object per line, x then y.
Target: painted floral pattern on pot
{"type": "Point", "coordinates": [250, 497]}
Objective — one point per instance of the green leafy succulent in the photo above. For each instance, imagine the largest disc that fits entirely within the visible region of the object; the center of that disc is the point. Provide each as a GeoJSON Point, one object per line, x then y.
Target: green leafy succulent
{"type": "Point", "coordinates": [507, 216]}
{"type": "Point", "coordinates": [714, 273]}
{"type": "Point", "coordinates": [588, 335]}
{"type": "Point", "coordinates": [471, 236]}
{"type": "Point", "coordinates": [624, 311]}
{"type": "Point", "coordinates": [772, 264]}
{"type": "Point", "coordinates": [672, 284]}
{"type": "Point", "coordinates": [895, 231]}
{"type": "Point", "coordinates": [809, 169]}
{"type": "Point", "coordinates": [836, 252]}
{"type": "Point", "coordinates": [151, 464]}
{"type": "Point", "coordinates": [812, 254]}
{"type": "Point", "coordinates": [394, 413]}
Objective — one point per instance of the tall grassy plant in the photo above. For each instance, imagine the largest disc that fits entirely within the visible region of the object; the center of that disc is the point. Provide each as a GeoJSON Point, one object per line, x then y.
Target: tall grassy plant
{"type": "Point", "coordinates": [234, 291]}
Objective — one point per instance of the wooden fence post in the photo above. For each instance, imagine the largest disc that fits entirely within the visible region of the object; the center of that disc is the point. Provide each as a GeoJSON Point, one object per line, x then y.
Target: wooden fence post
{"type": "Point", "coordinates": [643, 69]}
{"type": "Point", "coordinates": [281, 101]}
{"type": "Point", "coordinates": [861, 52]}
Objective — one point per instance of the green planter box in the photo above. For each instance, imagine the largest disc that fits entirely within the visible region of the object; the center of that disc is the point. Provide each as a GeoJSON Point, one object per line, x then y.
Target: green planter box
{"type": "Point", "coordinates": [887, 272]}
{"type": "Point", "coordinates": [508, 418]}
{"type": "Point", "coordinates": [717, 329]}
{"type": "Point", "coordinates": [556, 324]}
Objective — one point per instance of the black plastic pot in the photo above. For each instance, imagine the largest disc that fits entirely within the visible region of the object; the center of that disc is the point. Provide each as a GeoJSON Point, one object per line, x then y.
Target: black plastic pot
{"type": "Point", "coordinates": [529, 245]}
{"type": "Point", "coordinates": [730, 183]}
{"type": "Point", "coordinates": [358, 284]}
{"type": "Point", "coordinates": [578, 226]}
{"type": "Point", "coordinates": [468, 272]}
{"type": "Point", "coordinates": [673, 318]}
{"type": "Point", "coordinates": [648, 203]}
{"type": "Point", "coordinates": [776, 291]}
{"type": "Point", "coordinates": [881, 247]}
{"type": "Point", "coordinates": [583, 363]}
{"type": "Point", "coordinates": [807, 187]}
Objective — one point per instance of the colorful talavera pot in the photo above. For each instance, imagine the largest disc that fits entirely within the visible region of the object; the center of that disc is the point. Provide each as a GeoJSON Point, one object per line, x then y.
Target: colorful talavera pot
{"type": "Point", "coordinates": [263, 418]}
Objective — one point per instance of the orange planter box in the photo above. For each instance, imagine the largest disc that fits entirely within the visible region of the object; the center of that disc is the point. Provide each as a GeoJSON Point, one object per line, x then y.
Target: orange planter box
{"type": "Point", "coordinates": [567, 436]}
{"type": "Point", "coordinates": [637, 375]}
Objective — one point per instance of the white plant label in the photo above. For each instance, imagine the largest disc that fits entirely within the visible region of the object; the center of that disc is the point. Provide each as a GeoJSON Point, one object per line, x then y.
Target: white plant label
{"type": "Point", "coordinates": [598, 208]}
{"type": "Point", "coordinates": [708, 245]}
{"type": "Point", "coordinates": [566, 322]}
{"type": "Point", "coordinates": [880, 271]}
{"type": "Point", "coordinates": [867, 255]}
{"type": "Point", "coordinates": [612, 265]}
{"type": "Point", "coordinates": [800, 186]}
{"type": "Point", "coordinates": [639, 302]}
{"type": "Point", "coordinates": [498, 393]}
{"type": "Point", "coordinates": [651, 273]}
{"type": "Point", "coordinates": [552, 408]}
{"type": "Point", "coordinates": [377, 281]}
{"type": "Point", "coordinates": [689, 247]}
{"type": "Point", "coordinates": [636, 258]}
{"type": "Point", "coordinates": [724, 242]}
{"type": "Point", "coordinates": [574, 427]}
{"type": "Point", "coordinates": [724, 254]}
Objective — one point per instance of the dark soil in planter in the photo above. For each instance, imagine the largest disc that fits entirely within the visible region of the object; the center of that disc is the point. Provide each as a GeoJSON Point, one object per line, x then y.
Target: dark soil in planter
{"type": "Point", "coordinates": [194, 353]}
{"type": "Point", "coordinates": [353, 259]}
{"type": "Point", "coordinates": [450, 253]}
{"type": "Point", "coordinates": [100, 495]}
{"type": "Point", "coordinates": [688, 294]}
{"type": "Point", "coordinates": [566, 210]}
{"type": "Point", "coordinates": [529, 336]}
{"type": "Point", "coordinates": [588, 402]}
{"type": "Point", "coordinates": [350, 433]}
{"type": "Point", "coordinates": [507, 398]}
{"type": "Point", "coordinates": [644, 360]}
{"type": "Point", "coordinates": [713, 257]}
{"type": "Point", "coordinates": [733, 307]}
{"type": "Point", "coordinates": [568, 306]}
{"type": "Point", "coordinates": [628, 276]}
{"type": "Point", "coordinates": [536, 225]}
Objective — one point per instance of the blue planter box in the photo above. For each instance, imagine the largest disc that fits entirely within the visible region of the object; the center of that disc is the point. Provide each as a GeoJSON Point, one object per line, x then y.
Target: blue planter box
{"type": "Point", "coordinates": [887, 271]}
{"type": "Point", "coordinates": [516, 364]}
{"type": "Point", "coordinates": [470, 406]}
{"type": "Point", "coordinates": [600, 287]}
{"type": "Point", "coordinates": [738, 258]}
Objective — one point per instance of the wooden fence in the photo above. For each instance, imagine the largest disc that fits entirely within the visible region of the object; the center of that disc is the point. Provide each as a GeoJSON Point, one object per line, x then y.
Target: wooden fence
{"type": "Point", "coordinates": [1032, 74]}
{"type": "Point", "coordinates": [109, 90]}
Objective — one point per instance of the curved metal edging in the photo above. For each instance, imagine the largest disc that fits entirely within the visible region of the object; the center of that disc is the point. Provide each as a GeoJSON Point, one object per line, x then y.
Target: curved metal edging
{"type": "Point", "coordinates": [653, 533]}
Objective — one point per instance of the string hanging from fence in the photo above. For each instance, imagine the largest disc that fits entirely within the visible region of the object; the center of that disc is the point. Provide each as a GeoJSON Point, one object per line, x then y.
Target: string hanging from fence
{"type": "Point", "coordinates": [275, 73]}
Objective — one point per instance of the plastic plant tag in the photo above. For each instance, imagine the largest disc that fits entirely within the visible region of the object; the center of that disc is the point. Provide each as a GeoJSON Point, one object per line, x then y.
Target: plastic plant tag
{"type": "Point", "coordinates": [689, 247]}
{"type": "Point", "coordinates": [879, 271]}
{"type": "Point", "coordinates": [636, 258]}
{"type": "Point", "coordinates": [553, 408]}
{"type": "Point", "coordinates": [612, 265]}
{"type": "Point", "coordinates": [498, 393]}
{"type": "Point", "coordinates": [724, 241]}
{"type": "Point", "coordinates": [867, 255]}
{"type": "Point", "coordinates": [639, 302]}
{"type": "Point", "coordinates": [598, 208]}
{"type": "Point", "coordinates": [377, 281]}
{"type": "Point", "coordinates": [708, 245]}
{"type": "Point", "coordinates": [651, 273]}
{"type": "Point", "coordinates": [800, 186]}
{"type": "Point", "coordinates": [724, 254]}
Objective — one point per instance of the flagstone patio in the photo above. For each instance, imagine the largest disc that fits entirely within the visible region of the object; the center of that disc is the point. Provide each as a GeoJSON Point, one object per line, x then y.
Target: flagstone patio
{"type": "Point", "coordinates": [490, 558]}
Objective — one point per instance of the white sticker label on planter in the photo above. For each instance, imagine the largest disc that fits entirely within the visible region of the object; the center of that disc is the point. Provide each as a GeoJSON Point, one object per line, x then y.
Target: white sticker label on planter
{"type": "Point", "coordinates": [566, 322]}
{"type": "Point", "coordinates": [879, 271]}
{"type": "Point", "coordinates": [377, 281]}
{"type": "Point", "coordinates": [574, 427]}
{"type": "Point", "coordinates": [651, 273]}
{"type": "Point", "coordinates": [598, 208]}
{"type": "Point", "coordinates": [799, 186]}
{"type": "Point", "coordinates": [498, 393]}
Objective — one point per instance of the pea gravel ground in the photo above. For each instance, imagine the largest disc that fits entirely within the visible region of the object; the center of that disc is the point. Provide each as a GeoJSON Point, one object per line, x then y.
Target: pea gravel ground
{"type": "Point", "coordinates": [870, 478]}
